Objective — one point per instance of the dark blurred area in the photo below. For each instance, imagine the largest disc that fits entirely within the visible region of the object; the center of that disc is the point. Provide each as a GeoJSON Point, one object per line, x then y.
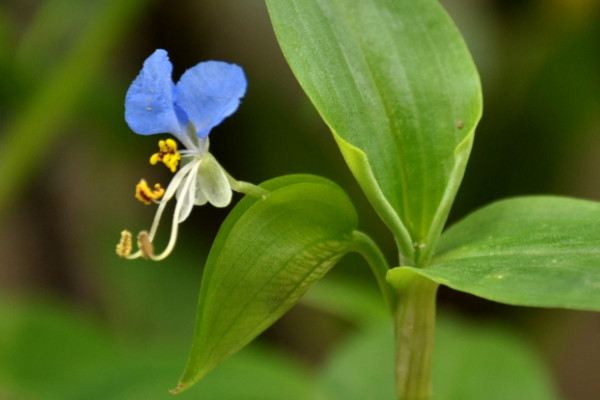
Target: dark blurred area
{"type": "Point", "coordinates": [70, 163]}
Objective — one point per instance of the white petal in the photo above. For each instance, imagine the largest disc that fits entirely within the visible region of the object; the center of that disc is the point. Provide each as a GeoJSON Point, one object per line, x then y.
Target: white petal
{"type": "Point", "coordinates": [200, 197]}
{"type": "Point", "coordinates": [213, 182]}
{"type": "Point", "coordinates": [187, 194]}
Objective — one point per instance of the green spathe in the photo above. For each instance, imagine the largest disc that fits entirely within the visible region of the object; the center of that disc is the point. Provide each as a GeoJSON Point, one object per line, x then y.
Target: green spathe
{"type": "Point", "coordinates": [267, 253]}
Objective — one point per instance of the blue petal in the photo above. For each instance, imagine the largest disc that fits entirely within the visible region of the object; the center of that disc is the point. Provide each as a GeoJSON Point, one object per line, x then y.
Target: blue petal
{"type": "Point", "coordinates": [149, 106]}
{"type": "Point", "coordinates": [210, 92]}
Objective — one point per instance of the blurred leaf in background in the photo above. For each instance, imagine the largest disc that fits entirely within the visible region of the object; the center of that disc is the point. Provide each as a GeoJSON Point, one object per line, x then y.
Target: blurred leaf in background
{"type": "Point", "coordinates": [471, 361]}
{"type": "Point", "coordinates": [77, 321]}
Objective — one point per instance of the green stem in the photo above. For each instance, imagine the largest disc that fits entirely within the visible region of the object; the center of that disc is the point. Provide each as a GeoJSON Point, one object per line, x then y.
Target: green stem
{"type": "Point", "coordinates": [414, 331]}
{"type": "Point", "coordinates": [247, 188]}
{"type": "Point", "coordinates": [366, 247]}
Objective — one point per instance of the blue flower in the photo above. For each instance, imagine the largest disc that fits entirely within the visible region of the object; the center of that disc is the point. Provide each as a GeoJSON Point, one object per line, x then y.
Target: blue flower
{"type": "Point", "coordinates": [205, 95]}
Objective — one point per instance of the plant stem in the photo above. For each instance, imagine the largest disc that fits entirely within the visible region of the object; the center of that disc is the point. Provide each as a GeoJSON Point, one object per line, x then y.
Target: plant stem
{"type": "Point", "coordinates": [414, 330]}
{"type": "Point", "coordinates": [247, 188]}
{"type": "Point", "coordinates": [366, 247]}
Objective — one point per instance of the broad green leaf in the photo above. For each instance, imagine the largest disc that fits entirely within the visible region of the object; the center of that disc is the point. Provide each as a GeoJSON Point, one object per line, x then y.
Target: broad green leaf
{"type": "Point", "coordinates": [267, 254]}
{"type": "Point", "coordinates": [474, 361]}
{"type": "Point", "coordinates": [395, 83]}
{"type": "Point", "coordinates": [531, 251]}
{"type": "Point", "coordinates": [259, 374]}
{"type": "Point", "coordinates": [50, 351]}
{"type": "Point", "coordinates": [471, 362]}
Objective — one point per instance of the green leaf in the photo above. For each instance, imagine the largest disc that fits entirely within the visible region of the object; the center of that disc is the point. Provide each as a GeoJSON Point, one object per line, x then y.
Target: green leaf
{"type": "Point", "coordinates": [267, 254]}
{"type": "Point", "coordinates": [48, 350]}
{"type": "Point", "coordinates": [51, 351]}
{"type": "Point", "coordinates": [395, 82]}
{"type": "Point", "coordinates": [486, 361]}
{"type": "Point", "coordinates": [530, 251]}
{"type": "Point", "coordinates": [260, 374]}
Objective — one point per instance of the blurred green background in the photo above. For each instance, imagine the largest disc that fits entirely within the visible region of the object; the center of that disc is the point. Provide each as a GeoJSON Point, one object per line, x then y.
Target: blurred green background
{"type": "Point", "coordinates": [78, 322]}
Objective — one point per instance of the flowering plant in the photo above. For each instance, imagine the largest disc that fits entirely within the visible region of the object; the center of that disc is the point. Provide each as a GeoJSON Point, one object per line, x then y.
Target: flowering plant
{"type": "Point", "coordinates": [402, 97]}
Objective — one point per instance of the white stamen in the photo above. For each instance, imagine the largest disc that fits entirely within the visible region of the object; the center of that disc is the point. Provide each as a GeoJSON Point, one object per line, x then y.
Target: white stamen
{"type": "Point", "coordinates": [176, 215]}
{"type": "Point", "coordinates": [171, 189]}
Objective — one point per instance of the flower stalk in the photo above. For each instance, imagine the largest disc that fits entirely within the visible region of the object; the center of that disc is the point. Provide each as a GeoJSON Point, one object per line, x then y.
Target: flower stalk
{"type": "Point", "coordinates": [368, 249]}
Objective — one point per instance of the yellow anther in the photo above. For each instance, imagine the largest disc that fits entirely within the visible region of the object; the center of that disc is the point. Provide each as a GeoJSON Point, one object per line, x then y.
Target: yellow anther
{"type": "Point", "coordinates": [146, 195]}
{"type": "Point", "coordinates": [167, 154]}
{"type": "Point", "coordinates": [145, 245]}
{"type": "Point", "coordinates": [124, 246]}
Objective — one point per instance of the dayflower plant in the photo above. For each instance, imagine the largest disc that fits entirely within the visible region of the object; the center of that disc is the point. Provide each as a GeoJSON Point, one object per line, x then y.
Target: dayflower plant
{"type": "Point", "coordinates": [204, 96]}
{"type": "Point", "coordinates": [401, 95]}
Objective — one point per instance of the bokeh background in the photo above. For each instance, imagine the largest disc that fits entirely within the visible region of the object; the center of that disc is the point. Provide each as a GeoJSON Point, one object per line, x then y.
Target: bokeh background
{"type": "Point", "coordinates": [75, 319]}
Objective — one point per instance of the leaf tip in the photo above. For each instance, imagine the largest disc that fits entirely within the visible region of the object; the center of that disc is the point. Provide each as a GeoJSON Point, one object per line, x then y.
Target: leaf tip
{"type": "Point", "coordinates": [179, 388]}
